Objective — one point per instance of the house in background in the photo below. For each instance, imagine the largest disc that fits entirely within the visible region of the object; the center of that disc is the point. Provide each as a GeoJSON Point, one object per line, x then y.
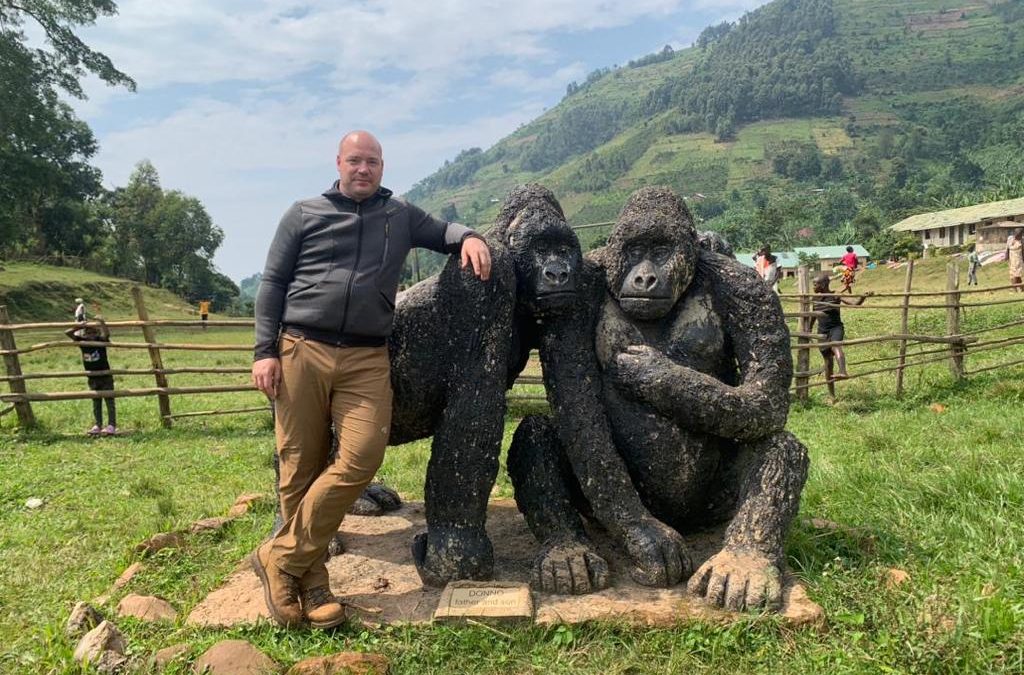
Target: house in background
{"type": "Point", "coordinates": [954, 227]}
{"type": "Point", "coordinates": [993, 237]}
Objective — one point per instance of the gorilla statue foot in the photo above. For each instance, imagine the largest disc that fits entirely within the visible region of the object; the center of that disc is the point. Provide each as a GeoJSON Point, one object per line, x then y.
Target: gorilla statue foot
{"type": "Point", "coordinates": [569, 568]}
{"type": "Point", "coordinates": [738, 579]}
{"type": "Point", "coordinates": [450, 554]}
{"type": "Point", "coordinates": [376, 500]}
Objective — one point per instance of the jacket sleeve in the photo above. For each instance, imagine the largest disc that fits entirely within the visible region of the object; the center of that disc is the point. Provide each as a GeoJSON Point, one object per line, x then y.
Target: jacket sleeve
{"type": "Point", "coordinates": [437, 235]}
{"type": "Point", "coordinates": [277, 275]}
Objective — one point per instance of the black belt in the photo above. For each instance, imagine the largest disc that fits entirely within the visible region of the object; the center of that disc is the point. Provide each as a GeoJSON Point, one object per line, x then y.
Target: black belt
{"type": "Point", "coordinates": [333, 338]}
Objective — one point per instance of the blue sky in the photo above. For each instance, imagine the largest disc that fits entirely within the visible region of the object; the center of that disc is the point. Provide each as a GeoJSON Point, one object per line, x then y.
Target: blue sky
{"type": "Point", "coordinates": [241, 103]}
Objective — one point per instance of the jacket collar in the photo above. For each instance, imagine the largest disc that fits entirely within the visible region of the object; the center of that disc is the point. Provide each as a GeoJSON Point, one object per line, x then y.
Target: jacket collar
{"type": "Point", "coordinates": [382, 195]}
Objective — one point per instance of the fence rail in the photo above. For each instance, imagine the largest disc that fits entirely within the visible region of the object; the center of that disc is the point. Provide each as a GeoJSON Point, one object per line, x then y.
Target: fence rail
{"type": "Point", "coordinates": [953, 347]}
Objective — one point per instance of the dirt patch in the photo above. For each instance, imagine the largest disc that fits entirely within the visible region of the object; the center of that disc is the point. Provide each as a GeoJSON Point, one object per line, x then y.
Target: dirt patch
{"type": "Point", "coordinates": [378, 549]}
{"type": "Point", "coordinates": [950, 19]}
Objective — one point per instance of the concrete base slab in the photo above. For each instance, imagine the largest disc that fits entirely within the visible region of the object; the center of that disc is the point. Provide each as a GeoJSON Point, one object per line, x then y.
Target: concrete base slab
{"type": "Point", "coordinates": [377, 578]}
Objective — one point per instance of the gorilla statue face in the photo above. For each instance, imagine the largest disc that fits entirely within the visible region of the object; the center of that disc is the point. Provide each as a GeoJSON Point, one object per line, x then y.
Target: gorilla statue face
{"type": "Point", "coordinates": [652, 254]}
{"type": "Point", "coordinates": [545, 249]}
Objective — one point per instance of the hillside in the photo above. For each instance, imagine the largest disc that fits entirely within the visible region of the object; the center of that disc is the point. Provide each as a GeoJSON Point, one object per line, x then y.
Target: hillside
{"type": "Point", "coordinates": [806, 122]}
{"type": "Point", "coordinates": [46, 293]}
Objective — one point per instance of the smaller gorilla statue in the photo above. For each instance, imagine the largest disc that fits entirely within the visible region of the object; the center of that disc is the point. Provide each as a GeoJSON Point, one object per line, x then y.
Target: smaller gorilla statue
{"type": "Point", "coordinates": [694, 366]}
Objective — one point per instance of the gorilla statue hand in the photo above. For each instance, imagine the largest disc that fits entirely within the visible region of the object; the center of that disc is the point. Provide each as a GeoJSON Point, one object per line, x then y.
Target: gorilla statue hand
{"type": "Point", "coordinates": [638, 368]}
{"type": "Point", "coordinates": [738, 579]}
{"type": "Point", "coordinates": [570, 569]}
{"type": "Point", "coordinates": [658, 553]}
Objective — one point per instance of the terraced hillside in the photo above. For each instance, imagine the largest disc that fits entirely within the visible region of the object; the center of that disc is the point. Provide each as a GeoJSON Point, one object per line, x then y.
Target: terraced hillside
{"type": "Point", "coordinates": [806, 122]}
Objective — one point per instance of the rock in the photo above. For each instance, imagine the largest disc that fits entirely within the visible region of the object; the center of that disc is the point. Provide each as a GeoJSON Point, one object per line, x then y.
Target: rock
{"type": "Point", "coordinates": [937, 408]}
{"type": "Point", "coordinates": [164, 657]}
{"type": "Point", "coordinates": [381, 583]}
{"type": "Point", "coordinates": [84, 617]}
{"type": "Point", "coordinates": [894, 577]}
{"type": "Point", "coordinates": [244, 501]}
{"type": "Point", "coordinates": [345, 663]}
{"type": "Point", "coordinates": [103, 647]}
{"type": "Point", "coordinates": [208, 525]}
{"type": "Point", "coordinates": [799, 610]}
{"type": "Point", "coordinates": [234, 657]}
{"type": "Point", "coordinates": [33, 503]}
{"type": "Point", "coordinates": [161, 541]}
{"type": "Point", "coordinates": [146, 608]}
{"type": "Point", "coordinates": [120, 582]}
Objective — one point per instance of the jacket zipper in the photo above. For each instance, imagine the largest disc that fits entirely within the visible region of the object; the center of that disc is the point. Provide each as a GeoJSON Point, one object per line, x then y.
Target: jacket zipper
{"type": "Point", "coordinates": [355, 268]}
{"type": "Point", "coordinates": [387, 237]}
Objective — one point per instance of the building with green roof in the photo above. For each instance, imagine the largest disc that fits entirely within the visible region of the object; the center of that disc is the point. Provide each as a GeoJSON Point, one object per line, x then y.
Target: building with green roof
{"type": "Point", "coordinates": [987, 224]}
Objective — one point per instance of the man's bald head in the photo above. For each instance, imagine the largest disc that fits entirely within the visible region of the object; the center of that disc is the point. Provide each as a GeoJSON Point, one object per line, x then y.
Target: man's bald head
{"type": "Point", "coordinates": [360, 165]}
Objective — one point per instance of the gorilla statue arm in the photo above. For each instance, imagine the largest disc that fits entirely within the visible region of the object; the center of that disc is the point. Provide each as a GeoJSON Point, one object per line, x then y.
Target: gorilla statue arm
{"type": "Point", "coordinates": [757, 405]}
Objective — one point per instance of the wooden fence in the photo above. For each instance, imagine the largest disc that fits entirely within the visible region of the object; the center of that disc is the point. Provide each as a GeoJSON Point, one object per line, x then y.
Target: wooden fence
{"type": "Point", "coordinates": [952, 346]}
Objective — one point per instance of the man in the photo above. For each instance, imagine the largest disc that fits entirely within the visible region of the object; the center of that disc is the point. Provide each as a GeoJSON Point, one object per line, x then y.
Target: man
{"type": "Point", "coordinates": [323, 313]}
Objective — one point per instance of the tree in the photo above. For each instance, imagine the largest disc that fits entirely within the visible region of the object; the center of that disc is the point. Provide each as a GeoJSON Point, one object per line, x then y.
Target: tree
{"type": "Point", "coordinates": [44, 148]}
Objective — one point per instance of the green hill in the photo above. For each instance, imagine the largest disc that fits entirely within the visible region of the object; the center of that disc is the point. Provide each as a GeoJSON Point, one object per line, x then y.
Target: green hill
{"type": "Point", "coordinates": [806, 122]}
{"type": "Point", "coordinates": [46, 293]}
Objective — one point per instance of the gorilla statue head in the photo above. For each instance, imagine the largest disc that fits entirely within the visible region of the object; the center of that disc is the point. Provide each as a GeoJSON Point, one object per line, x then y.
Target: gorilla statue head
{"type": "Point", "coordinates": [545, 250]}
{"type": "Point", "coordinates": [651, 254]}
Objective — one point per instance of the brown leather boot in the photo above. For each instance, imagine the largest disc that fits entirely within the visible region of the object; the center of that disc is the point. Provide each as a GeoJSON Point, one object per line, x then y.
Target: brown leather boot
{"type": "Point", "coordinates": [280, 589]}
{"type": "Point", "coordinates": [321, 608]}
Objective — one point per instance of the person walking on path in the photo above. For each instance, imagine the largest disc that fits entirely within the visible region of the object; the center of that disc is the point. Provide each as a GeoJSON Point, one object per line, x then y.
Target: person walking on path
{"type": "Point", "coordinates": [973, 265]}
{"type": "Point", "coordinates": [1015, 255]}
{"type": "Point", "coordinates": [323, 312]}
{"type": "Point", "coordinates": [850, 264]}
{"type": "Point", "coordinates": [94, 358]}
{"type": "Point", "coordinates": [830, 326]}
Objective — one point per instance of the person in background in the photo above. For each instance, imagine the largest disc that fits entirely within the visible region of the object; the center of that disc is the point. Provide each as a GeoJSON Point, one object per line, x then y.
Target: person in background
{"type": "Point", "coordinates": [80, 310]}
{"type": "Point", "coordinates": [1015, 256]}
{"type": "Point", "coordinates": [94, 358]}
{"type": "Point", "coordinates": [831, 328]}
{"type": "Point", "coordinates": [849, 270]}
{"type": "Point", "coordinates": [973, 265]}
{"type": "Point", "coordinates": [204, 311]}
{"type": "Point", "coordinates": [770, 273]}
{"type": "Point", "coordinates": [761, 259]}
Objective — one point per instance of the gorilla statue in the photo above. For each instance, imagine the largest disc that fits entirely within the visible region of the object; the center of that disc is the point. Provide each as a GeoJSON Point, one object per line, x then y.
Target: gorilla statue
{"type": "Point", "coordinates": [694, 362]}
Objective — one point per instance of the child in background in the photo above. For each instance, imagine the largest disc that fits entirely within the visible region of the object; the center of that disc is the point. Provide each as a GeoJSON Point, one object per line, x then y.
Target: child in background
{"type": "Point", "coordinates": [973, 265]}
{"type": "Point", "coordinates": [831, 328]}
{"type": "Point", "coordinates": [94, 358]}
{"type": "Point", "coordinates": [80, 310]}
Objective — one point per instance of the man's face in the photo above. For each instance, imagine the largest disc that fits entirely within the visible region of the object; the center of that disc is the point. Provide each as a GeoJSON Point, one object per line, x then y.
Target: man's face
{"type": "Point", "coordinates": [360, 166]}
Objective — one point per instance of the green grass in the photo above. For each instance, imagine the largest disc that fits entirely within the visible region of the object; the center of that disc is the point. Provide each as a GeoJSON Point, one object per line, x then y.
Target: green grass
{"type": "Point", "coordinates": [935, 491]}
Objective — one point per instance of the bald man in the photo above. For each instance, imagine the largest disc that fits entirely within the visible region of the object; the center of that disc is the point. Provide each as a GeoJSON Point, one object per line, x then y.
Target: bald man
{"type": "Point", "coordinates": [323, 313]}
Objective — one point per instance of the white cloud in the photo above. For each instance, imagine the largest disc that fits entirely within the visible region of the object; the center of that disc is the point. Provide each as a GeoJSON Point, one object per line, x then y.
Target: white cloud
{"type": "Point", "coordinates": [241, 102]}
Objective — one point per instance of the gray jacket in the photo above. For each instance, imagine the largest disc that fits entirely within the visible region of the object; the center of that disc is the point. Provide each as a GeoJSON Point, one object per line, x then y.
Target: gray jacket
{"type": "Point", "coordinates": [334, 266]}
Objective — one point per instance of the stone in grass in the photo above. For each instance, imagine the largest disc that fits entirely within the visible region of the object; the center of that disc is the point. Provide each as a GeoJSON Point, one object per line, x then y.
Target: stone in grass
{"type": "Point", "coordinates": [84, 617]}
{"type": "Point", "coordinates": [161, 541]}
{"type": "Point", "coordinates": [895, 577]}
{"type": "Point", "coordinates": [491, 600]}
{"type": "Point", "coordinates": [234, 657]}
{"type": "Point", "coordinates": [120, 582]}
{"type": "Point", "coordinates": [244, 501]}
{"type": "Point", "coordinates": [345, 663]}
{"type": "Point", "coordinates": [146, 608]}
{"type": "Point", "coordinates": [165, 656]}
{"type": "Point", "coordinates": [103, 647]}
{"type": "Point", "coordinates": [208, 525]}
{"type": "Point", "coordinates": [33, 503]}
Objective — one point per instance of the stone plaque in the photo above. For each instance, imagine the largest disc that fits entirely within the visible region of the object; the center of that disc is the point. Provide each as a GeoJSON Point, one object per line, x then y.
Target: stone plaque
{"type": "Point", "coordinates": [493, 600]}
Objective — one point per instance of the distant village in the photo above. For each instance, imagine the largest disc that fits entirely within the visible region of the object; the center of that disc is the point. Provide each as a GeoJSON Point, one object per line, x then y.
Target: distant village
{"type": "Point", "coordinates": [988, 226]}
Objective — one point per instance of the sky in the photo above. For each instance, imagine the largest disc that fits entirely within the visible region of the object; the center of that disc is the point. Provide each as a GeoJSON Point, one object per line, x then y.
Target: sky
{"type": "Point", "coordinates": [241, 103]}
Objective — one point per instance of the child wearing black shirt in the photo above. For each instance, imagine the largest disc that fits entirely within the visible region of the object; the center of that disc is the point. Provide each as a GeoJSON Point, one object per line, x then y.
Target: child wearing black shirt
{"type": "Point", "coordinates": [94, 358]}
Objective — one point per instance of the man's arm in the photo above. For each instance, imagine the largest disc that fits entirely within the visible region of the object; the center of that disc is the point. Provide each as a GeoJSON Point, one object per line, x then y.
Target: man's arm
{"type": "Point", "coordinates": [277, 274]}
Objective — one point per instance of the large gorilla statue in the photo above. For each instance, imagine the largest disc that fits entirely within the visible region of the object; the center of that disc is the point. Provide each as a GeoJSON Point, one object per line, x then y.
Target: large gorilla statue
{"type": "Point", "coordinates": [695, 364]}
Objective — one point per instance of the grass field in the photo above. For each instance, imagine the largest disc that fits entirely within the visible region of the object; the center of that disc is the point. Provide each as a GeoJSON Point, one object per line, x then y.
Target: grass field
{"type": "Point", "coordinates": [932, 484]}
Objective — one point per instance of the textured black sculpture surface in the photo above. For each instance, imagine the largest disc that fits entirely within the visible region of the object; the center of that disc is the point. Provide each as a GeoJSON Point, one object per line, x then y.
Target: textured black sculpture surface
{"type": "Point", "coordinates": [694, 363]}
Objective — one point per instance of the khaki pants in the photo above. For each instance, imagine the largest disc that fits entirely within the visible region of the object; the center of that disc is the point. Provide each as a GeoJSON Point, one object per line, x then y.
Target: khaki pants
{"type": "Point", "coordinates": [352, 386]}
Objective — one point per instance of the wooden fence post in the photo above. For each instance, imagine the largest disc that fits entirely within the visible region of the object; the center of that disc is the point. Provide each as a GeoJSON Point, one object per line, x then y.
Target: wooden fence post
{"type": "Point", "coordinates": [956, 349]}
{"type": "Point", "coordinates": [803, 355]}
{"type": "Point", "coordinates": [904, 326]}
{"type": "Point", "coordinates": [149, 334]}
{"type": "Point", "coordinates": [13, 365]}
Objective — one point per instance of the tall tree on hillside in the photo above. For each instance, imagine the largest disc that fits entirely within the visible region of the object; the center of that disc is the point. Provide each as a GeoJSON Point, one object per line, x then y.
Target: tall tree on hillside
{"type": "Point", "coordinates": [45, 180]}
